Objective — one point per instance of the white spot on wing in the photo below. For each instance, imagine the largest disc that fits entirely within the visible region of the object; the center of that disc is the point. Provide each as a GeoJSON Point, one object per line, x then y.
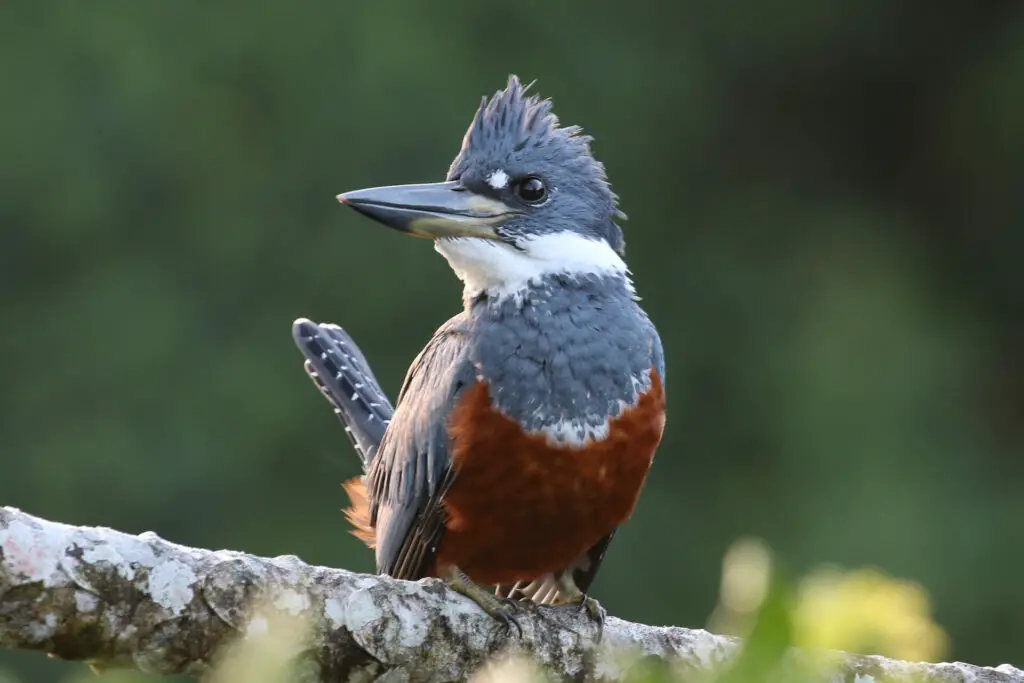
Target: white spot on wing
{"type": "Point", "coordinates": [498, 180]}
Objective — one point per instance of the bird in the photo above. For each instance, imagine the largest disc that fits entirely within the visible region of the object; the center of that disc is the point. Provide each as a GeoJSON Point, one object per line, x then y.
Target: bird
{"type": "Point", "coordinates": [526, 428]}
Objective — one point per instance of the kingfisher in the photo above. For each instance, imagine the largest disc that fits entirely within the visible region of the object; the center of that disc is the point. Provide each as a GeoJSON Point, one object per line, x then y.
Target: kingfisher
{"type": "Point", "coordinates": [524, 431]}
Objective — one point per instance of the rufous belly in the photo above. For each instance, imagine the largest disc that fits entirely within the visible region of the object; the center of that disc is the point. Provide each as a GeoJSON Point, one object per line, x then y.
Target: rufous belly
{"type": "Point", "coordinates": [520, 507]}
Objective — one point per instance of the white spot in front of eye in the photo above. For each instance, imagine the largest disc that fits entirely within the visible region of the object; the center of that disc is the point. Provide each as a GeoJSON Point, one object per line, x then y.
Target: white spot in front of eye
{"type": "Point", "coordinates": [498, 180]}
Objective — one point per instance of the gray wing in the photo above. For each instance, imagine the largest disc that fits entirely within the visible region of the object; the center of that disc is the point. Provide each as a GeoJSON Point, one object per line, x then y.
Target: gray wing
{"type": "Point", "coordinates": [342, 374]}
{"type": "Point", "coordinates": [412, 469]}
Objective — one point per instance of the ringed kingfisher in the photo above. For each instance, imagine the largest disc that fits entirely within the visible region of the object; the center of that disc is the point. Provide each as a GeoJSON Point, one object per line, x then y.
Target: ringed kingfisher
{"type": "Point", "coordinates": [525, 429]}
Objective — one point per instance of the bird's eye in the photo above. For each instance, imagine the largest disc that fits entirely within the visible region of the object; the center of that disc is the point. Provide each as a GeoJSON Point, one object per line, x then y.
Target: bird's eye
{"type": "Point", "coordinates": [531, 190]}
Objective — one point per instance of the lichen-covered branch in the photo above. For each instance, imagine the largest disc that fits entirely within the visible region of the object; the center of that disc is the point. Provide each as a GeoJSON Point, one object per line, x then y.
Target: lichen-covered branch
{"type": "Point", "coordinates": [109, 598]}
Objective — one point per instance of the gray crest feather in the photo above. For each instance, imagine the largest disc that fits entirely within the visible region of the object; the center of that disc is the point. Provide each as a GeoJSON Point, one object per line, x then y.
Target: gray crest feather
{"type": "Point", "coordinates": [512, 121]}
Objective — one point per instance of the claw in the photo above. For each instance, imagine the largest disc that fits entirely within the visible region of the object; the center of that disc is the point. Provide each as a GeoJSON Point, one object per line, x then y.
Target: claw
{"type": "Point", "coordinates": [505, 615]}
{"type": "Point", "coordinates": [581, 602]}
{"type": "Point", "coordinates": [502, 610]}
{"type": "Point", "coordinates": [594, 610]}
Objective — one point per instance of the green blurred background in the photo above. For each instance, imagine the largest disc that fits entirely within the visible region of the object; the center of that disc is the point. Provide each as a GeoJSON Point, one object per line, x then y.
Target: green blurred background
{"type": "Point", "coordinates": [826, 223]}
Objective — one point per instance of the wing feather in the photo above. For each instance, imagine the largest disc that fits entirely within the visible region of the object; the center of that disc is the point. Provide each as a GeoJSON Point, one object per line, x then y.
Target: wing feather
{"type": "Point", "coordinates": [412, 469]}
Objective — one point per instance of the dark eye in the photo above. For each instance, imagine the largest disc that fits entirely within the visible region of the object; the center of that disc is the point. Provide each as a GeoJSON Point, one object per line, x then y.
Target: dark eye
{"type": "Point", "coordinates": [531, 190]}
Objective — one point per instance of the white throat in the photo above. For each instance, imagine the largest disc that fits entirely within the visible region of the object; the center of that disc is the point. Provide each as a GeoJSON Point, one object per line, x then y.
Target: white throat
{"type": "Point", "coordinates": [502, 271]}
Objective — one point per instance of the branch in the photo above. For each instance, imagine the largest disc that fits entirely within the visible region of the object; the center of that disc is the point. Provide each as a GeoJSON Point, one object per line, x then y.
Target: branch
{"type": "Point", "coordinates": [102, 596]}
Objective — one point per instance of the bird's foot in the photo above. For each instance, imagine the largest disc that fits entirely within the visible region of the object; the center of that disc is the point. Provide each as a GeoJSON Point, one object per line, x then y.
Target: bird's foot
{"type": "Point", "coordinates": [594, 610]}
{"type": "Point", "coordinates": [571, 595]}
{"type": "Point", "coordinates": [503, 610]}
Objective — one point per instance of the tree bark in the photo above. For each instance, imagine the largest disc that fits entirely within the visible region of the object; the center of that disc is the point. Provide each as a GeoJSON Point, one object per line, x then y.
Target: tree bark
{"type": "Point", "coordinates": [113, 599]}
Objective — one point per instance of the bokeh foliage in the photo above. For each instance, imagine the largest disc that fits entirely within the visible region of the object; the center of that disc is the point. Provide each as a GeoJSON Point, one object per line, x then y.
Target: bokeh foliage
{"type": "Point", "coordinates": [826, 222]}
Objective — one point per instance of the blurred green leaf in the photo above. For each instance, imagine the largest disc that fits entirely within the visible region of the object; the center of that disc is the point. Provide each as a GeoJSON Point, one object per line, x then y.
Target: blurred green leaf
{"type": "Point", "coordinates": [771, 637]}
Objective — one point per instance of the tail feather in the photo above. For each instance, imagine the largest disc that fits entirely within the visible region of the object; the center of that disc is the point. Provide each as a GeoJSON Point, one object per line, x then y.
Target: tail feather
{"type": "Point", "coordinates": [342, 374]}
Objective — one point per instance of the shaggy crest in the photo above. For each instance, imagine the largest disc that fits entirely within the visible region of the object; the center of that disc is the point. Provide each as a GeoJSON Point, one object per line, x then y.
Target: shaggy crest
{"type": "Point", "coordinates": [513, 121]}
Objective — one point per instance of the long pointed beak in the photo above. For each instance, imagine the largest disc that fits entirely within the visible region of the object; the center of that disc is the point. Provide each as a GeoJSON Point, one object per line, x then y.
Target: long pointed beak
{"type": "Point", "coordinates": [430, 210]}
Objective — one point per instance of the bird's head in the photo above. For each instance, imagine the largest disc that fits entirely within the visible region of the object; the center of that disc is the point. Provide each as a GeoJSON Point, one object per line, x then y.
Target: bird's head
{"type": "Point", "coordinates": [524, 198]}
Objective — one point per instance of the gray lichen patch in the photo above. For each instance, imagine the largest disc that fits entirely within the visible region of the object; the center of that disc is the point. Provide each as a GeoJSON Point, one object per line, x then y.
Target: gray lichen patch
{"type": "Point", "coordinates": [170, 584]}
{"type": "Point", "coordinates": [24, 550]}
